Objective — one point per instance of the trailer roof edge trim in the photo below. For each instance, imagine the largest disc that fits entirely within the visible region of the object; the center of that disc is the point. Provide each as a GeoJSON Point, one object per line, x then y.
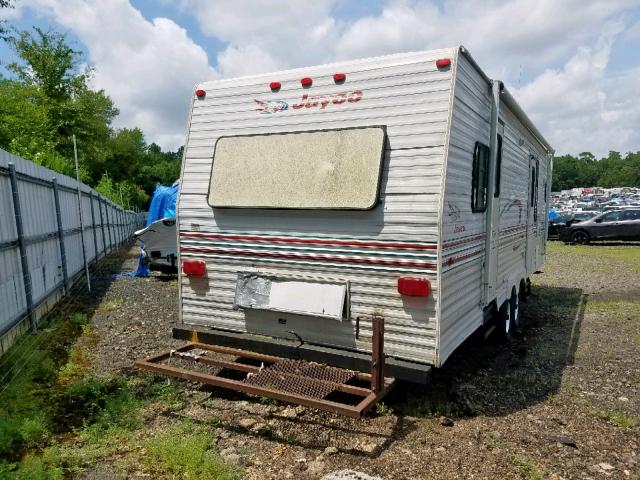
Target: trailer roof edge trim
{"type": "Point", "coordinates": [511, 103]}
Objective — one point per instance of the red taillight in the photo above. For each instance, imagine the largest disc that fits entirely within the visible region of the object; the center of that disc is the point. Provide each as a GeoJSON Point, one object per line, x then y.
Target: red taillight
{"type": "Point", "coordinates": [306, 81]}
{"type": "Point", "coordinates": [275, 85]}
{"type": "Point", "coordinates": [413, 287]}
{"type": "Point", "coordinates": [194, 268]}
{"type": "Point", "coordinates": [200, 93]}
{"type": "Point", "coordinates": [339, 77]}
{"type": "Point", "coordinates": [443, 62]}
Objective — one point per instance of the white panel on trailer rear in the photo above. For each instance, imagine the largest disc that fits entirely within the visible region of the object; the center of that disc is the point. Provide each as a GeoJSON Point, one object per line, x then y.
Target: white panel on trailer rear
{"type": "Point", "coordinates": [415, 257]}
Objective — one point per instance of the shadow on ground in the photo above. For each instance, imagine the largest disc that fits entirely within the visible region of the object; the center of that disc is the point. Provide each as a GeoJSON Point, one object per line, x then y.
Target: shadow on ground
{"type": "Point", "coordinates": [485, 378]}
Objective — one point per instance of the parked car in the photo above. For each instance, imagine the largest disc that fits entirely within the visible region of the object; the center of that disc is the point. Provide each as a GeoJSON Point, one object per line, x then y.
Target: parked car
{"type": "Point", "coordinates": [613, 225]}
{"type": "Point", "coordinates": [567, 219]}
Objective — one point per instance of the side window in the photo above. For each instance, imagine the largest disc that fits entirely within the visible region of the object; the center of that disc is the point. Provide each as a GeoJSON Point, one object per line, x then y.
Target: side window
{"type": "Point", "coordinates": [631, 215]}
{"type": "Point", "coordinates": [534, 188]}
{"type": "Point", "coordinates": [612, 216]}
{"type": "Point", "coordinates": [479, 179]}
{"type": "Point", "coordinates": [496, 191]}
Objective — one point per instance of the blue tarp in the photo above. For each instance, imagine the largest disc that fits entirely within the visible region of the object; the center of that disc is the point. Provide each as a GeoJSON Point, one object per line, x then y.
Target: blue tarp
{"type": "Point", "coordinates": [553, 215]}
{"type": "Point", "coordinates": [163, 205]}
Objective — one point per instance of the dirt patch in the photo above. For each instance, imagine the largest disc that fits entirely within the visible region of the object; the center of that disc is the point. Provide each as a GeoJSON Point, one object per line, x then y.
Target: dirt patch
{"type": "Point", "coordinates": [562, 400]}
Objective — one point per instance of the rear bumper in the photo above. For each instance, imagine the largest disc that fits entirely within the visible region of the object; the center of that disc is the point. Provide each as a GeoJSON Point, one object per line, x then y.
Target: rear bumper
{"type": "Point", "coordinates": [563, 233]}
{"type": "Point", "coordinates": [358, 361]}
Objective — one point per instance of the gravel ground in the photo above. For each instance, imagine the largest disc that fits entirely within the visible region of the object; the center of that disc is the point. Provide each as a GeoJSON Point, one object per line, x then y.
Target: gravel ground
{"type": "Point", "coordinates": [562, 400]}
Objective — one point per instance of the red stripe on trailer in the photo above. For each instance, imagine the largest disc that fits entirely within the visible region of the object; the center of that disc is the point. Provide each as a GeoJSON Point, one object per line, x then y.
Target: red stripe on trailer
{"type": "Point", "coordinates": [463, 241]}
{"type": "Point", "coordinates": [318, 241]}
{"type": "Point", "coordinates": [454, 260]}
{"type": "Point", "coordinates": [303, 257]}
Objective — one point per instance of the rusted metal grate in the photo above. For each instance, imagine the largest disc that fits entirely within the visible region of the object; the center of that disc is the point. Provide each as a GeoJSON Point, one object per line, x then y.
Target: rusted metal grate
{"type": "Point", "coordinates": [295, 381]}
{"type": "Point", "coordinates": [299, 377]}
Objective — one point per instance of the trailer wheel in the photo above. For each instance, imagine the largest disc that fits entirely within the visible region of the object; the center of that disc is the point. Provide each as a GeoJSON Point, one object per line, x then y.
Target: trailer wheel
{"type": "Point", "coordinates": [522, 291]}
{"type": "Point", "coordinates": [514, 309]}
{"type": "Point", "coordinates": [503, 323]}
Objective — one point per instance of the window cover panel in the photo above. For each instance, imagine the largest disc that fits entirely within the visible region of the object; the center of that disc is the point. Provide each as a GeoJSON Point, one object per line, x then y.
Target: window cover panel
{"type": "Point", "coordinates": [328, 169]}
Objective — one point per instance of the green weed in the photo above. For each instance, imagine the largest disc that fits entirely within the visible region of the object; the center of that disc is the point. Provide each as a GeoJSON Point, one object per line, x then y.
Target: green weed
{"type": "Point", "coordinates": [186, 453]}
{"type": "Point", "coordinates": [527, 469]}
{"type": "Point", "coordinates": [619, 418]}
{"type": "Point", "coordinates": [268, 401]}
{"type": "Point", "coordinates": [34, 467]}
{"type": "Point", "coordinates": [383, 409]}
{"type": "Point", "coordinates": [110, 305]}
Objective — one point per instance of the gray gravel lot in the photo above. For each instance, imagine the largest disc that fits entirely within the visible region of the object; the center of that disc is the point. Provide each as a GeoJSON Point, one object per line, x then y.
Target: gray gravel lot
{"type": "Point", "coordinates": [562, 400]}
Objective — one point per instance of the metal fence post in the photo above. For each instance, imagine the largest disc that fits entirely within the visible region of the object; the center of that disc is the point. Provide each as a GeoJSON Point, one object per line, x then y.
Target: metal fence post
{"type": "Point", "coordinates": [24, 261]}
{"type": "Point", "coordinates": [63, 252]}
{"type": "Point", "coordinates": [93, 226]}
{"type": "Point", "coordinates": [122, 227]}
{"type": "Point", "coordinates": [106, 212]}
{"type": "Point", "coordinates": [104, 238]}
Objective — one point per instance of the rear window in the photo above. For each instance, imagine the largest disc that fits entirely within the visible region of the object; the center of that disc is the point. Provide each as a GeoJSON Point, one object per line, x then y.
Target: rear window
{"type": "Point", "coordinates": [329, 169]}
{"type": "Point", "coordinates": [631, 215]}
{"type": "Point", "coordinates": [612, 216]}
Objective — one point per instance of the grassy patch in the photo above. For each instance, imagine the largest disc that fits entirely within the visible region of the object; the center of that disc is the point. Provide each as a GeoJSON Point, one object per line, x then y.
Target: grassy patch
{"type": "Point", "coordinates": [186, 452]}
{"type": "Point", "coordinates": [30, 371]}
{"type": "Point", "coordinates": [614, 308]}
{"type": "Point", "coordinates": [527, 469]}
{"type": "Point", "coordinates": [56, 417]}
{"type": "Point", "coordinates": [618, 418]}
{"type": "Point", "coordinates": [110, 305]}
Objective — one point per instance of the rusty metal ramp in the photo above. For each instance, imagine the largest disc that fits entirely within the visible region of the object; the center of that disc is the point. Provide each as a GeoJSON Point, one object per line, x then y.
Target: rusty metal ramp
{"type": "Point", "coordinates": [311, 384]}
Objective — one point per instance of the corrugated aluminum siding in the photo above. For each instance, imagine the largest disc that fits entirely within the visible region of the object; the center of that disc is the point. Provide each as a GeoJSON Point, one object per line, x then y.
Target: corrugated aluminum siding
{"type": "Point", "coordinates": [370, 249]}
{"type": "Point", "coordinates": [463, 232]}
{"type": "Point", "coordinates": [40, 227]}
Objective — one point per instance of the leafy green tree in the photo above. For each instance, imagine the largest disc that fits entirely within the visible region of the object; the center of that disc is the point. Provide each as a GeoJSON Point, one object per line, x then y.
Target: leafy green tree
{"type": "Point", "coordinates": [47, 99]}
{"type": "Point", "coordinates": [3, 28]}
{"type": "Point", "coordinates": [587, 171]}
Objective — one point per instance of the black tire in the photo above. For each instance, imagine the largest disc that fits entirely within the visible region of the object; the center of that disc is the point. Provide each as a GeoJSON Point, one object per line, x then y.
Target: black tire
{"type": "Point", "coordinates": [504, 327]}
{"type": "Point", "coordinates": [514, 310]}
{"type": "Point", "coordinates": [580, 237]}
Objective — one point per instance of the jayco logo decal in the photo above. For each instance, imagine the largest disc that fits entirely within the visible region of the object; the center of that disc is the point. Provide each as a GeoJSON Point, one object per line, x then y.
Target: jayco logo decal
{"type": "Point", "coordinates": [320, 103]}
{"type": "Point", "coordinates": [273, 106]}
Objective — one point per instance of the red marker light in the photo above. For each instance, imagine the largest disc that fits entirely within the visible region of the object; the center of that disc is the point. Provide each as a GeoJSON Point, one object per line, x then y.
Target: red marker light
{"type": "Point", "coordinates": [275, 85]}
{"type": "Point", "coordinates": [200, 93]}
{"type": "Point", "coordinates": [413, 287]}
{"type": "Point", "coordinates": [339, 77]}
{"type": "Point", "coordinates": [443, 62]}
{"type": "Point", "coordinates": [306, 81]}
{"type": "Point", "coordinates": [194, 268]}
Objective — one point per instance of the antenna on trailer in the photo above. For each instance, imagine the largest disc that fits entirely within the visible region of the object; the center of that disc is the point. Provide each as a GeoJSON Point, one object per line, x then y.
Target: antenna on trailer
{"type": "Point", "coordinates": [519, 76]}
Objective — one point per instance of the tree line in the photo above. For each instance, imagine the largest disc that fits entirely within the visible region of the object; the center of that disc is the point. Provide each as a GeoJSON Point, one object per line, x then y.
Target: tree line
{"type": "Point", "coordinates": [46, 98]}
{"type": "Point", "coordinates": [586, 170]}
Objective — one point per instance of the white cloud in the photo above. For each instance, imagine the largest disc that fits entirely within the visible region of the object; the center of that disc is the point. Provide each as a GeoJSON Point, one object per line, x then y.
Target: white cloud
{"type": "Point", "coordinates": [581, 107]}
{"type": "Point", "coordinates": [264, 36]}
{"type": "Point", "coordinates": [147, 68]}
{"type": "Point", "coordinates": [501, 34]}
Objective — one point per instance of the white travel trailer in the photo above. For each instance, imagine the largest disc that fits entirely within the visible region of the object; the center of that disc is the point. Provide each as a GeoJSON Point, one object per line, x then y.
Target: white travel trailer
{"type": "Point", "coordinates": [410, 187]}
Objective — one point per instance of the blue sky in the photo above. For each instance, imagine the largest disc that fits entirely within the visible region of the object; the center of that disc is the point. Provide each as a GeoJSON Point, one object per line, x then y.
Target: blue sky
{"type": "Point", "coordinates": [573, 65]}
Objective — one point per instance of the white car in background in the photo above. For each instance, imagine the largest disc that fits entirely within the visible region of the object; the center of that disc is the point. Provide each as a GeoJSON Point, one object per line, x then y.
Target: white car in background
{"type": "Point", "coordinates": [158, 243]}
